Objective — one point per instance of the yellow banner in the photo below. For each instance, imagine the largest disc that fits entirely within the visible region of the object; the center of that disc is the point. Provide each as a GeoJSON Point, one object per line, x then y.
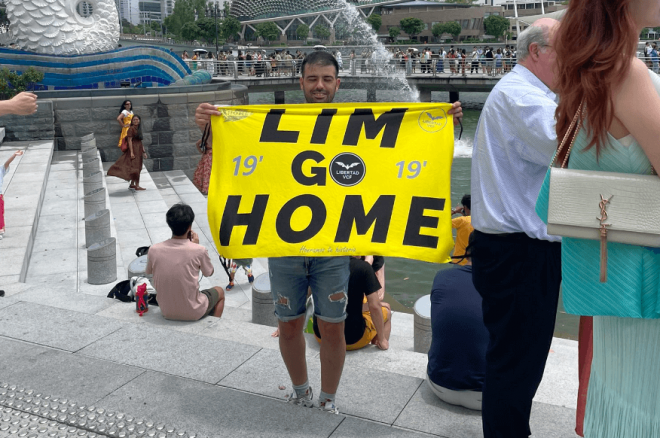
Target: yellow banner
{"type": "Point", "coordinates": [332, 179]}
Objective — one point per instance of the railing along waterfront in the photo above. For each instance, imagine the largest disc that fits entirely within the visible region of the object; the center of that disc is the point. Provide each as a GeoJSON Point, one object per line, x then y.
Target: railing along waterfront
{"type": "Point", "coordinates": [360, 66]}
{"type": "Point", "coordinates": [350, 67]}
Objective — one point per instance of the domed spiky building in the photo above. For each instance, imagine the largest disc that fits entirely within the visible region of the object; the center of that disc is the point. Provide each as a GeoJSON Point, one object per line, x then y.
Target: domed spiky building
{"type": "Point", "coordinates": [251, 9]}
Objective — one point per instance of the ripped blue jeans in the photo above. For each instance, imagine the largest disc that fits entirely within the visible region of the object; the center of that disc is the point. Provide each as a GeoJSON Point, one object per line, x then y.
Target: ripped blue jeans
{"type": "Point", "coordinates": [326, 276]}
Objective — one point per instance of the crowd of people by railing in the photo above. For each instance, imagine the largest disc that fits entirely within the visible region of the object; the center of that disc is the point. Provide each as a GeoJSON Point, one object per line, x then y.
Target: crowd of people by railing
{"type": "Point", "coordinates": [258, 63]}
{"type": "Point", "coordinates": [484, 61]}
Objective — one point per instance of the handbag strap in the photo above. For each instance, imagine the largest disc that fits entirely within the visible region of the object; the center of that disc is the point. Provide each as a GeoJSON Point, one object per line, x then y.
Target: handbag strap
{"type": "Point", "coordinates": [575, 123]}
{"type": "Point", "coordinates": [205, 137]}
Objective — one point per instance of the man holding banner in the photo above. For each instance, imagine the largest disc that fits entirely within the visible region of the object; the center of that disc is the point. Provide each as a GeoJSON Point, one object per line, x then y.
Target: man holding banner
{"type": "Point", "coordinates": [307, 247]}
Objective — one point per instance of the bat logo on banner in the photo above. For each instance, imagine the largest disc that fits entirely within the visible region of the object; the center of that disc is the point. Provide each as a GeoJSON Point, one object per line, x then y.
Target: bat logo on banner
{"type": "Point", "coordinates": [347, 166]}
{"type": "Point", "coordinates": [432, 121]}
{"type": "Point", "coordinates": [347, 175]}
{"type": "Point", "coordinates": [434, 118]}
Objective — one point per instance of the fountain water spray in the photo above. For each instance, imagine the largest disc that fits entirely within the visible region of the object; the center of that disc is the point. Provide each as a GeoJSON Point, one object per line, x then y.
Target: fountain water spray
{"type": "Point", "coordinates": [380, 58]}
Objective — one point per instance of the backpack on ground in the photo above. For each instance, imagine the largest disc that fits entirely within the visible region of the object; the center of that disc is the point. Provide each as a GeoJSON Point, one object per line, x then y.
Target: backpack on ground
{"type": "Point", "coordinates": [122, 291]}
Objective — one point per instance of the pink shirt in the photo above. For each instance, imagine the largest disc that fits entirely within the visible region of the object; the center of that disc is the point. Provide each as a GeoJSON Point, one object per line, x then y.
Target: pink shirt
{"type": "Point", "coordinates": [175, 265]}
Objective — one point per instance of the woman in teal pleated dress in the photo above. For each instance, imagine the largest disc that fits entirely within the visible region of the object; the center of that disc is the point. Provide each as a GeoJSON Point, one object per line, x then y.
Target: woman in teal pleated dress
{"type": "Point", "coordinates": [619, 132]}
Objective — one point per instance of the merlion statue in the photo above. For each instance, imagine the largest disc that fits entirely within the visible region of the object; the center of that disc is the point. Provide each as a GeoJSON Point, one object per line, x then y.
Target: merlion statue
{"type": "Point", "coordinates": [57, 26]}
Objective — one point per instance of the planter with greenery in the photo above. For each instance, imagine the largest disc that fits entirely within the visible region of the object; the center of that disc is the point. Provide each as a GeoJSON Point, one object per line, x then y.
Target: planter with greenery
{"type": "Point", "coordinates": [12, 83]}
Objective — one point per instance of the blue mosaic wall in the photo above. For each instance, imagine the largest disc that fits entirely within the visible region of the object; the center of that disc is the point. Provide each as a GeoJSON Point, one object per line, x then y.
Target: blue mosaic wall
{"type": "Point", "coordinates": [143, 66]}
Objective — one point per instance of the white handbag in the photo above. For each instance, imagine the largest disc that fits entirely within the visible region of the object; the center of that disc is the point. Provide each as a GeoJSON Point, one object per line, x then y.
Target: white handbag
{"type": "Point", "coordinates": [605, 206]}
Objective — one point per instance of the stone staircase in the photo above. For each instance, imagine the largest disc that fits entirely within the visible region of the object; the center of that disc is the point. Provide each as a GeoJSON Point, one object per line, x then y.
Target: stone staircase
{"type": "Point", "coordinates": [24, 188]}
{"type": "Point", "coordinates": [62, 336]}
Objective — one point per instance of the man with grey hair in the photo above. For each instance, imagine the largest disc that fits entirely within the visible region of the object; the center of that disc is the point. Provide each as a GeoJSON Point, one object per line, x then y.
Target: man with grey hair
{"type": "Point", "coordinates": [516, 264]}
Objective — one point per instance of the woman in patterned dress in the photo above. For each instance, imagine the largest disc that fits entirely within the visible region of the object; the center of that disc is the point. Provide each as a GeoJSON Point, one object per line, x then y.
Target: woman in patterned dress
{"type": "Point", "coordinates": [129, 165]}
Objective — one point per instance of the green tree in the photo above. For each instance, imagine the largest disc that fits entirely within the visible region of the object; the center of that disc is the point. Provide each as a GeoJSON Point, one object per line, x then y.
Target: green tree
{"type": "Point", "coordinates": [230, 26]}
{"type": "Point", "coordinates": [199, 6]}
{"type": "Point", "coordinates": [126, 26]}
{"type": "Point", "coordinates": [206, 28]}
{"type": "Point", "coordinates": [496, 25]}
{"type": "Point", "coordinates": [412, 26]}
{"type": "Point", "coordinates": [268, 31]}
{"type": "Point", "coordinates": [394, 32]}
{"type": "Point", "coordinates": [190, 31]}
{"type": "Point", "coordinates": [129, 28]}
{"type": "Point", "coordinates": [12, 83]}
{"type": "Point", "coordinates": [184, 12]}
{"type": "Point", "coordinates": [438, 29]}
{"type": "Point", "coordinates": [450, 27]}
{"type": "Point", "coordinates": [170, 23]}
{"type": "Point", "coordinates": [302, 31]}
{"type": "Point", "coordinates": [321, 31]}
{"type": "Point", "coordinates": [376, 21]}
{"type": "Point", "coordinates": [155, 26]}
{"type": "Point", "coordinates": [464, 2]}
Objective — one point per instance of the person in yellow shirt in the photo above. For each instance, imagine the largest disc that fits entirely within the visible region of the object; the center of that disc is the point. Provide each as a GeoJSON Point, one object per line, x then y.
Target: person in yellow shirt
{"type": "Point", "coordinates": [463, 227]}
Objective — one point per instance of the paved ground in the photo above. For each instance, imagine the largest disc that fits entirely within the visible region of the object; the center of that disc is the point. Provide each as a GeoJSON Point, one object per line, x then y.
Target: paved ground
{"type": "Point", "coordinates": [74, 361]}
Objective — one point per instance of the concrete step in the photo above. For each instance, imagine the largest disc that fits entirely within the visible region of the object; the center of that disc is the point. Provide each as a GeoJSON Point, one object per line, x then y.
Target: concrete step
{"type": "Point", "coordinates": [57, 269]}
{"type": "Point", "coordinates": [24, 188]}
{"type": "Point", "coordinates": [147, 369]}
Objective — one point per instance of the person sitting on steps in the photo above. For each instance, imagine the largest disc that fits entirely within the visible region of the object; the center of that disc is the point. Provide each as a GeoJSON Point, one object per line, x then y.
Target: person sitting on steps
{"type": "Point", "coordinates": [463, 227]}
{"type": "Point", "coordinates": [368, 319]}
{"type": "Point", "coordinates": [457, 357]}
{"type": "Point", "coordinates": [175, 265]}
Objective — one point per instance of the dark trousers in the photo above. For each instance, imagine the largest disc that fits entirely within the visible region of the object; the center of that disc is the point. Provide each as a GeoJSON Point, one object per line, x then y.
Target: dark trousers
{"type": "Point", "coordinates": [518, 278]}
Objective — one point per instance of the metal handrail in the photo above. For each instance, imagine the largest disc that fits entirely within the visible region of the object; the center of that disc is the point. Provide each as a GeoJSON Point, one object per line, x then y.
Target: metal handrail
{"type": "Point", "coordinates": [368, 67]}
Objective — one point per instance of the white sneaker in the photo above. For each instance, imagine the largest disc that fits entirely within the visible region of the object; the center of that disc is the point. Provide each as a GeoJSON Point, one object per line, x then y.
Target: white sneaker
{"type": "Point", "coordinates": [329, 406]}
{"type": "Point", "coordinates": [306, 400]}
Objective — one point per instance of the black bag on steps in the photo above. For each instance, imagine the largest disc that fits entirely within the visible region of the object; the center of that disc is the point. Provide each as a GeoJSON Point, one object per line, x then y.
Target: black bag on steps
{"type": "Point", "coordinates": [121, 291]}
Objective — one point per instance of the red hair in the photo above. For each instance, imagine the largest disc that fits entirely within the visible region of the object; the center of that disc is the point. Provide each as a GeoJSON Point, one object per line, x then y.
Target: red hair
{"type": "Point", "coordinates": [594, 44]}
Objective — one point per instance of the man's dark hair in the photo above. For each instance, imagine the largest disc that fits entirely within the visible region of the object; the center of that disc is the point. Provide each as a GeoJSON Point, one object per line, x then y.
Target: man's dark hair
{"type": "Point", "coordinates": [322, 58]}
{"type": "Point", "coordinates": [467, 201]}
{"type": "Point", "coordinates": [179, 218]}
